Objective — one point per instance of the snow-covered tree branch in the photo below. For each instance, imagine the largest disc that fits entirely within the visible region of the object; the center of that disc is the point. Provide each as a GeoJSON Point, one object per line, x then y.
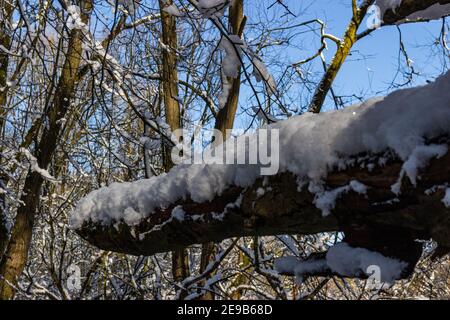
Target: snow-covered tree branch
{"type": "Point", "coordinates": [176, 135]}
{"type": "Point", "coordinates": [359, 173]}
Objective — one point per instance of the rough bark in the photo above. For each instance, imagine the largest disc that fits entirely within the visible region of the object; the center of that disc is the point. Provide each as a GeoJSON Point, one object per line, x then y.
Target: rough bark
{"type": "Point", "coordinates": [371, 221]}
{"type": "Point", "coordinates": [180, 262]}
{"type": "Point", "coordinates": [5, 42]}
{"type": "Point", "coordinates": [169, 67]}
{"type": "Point", "coordinates": [226, 115]}
{"type": "Point", "coordinates": [15, 257]}
{"type": "Point", "coordinates": [33, 130]}
{"type": "Point", "coordinates": [343, 49]}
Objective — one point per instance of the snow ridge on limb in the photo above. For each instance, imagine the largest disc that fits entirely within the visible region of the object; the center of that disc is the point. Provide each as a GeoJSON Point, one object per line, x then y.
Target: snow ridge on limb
{"type": "Point", "coordinates": [356, 155]}
{"type": "Point", "coordinates": [310, 146]}
{"type": "Point", "coordinates": [343, 260]}
{"type": "Point", "coordinates": [371, 221]}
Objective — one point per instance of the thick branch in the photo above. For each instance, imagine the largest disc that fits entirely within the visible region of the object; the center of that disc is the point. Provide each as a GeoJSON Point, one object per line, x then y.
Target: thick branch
{"type": "Point", "coordinates": [343, 50]}
{"type": "Point", "coordinates": [15, 257]}
{"type": "Point", "coordinates": [284, 210]}
{"type": "Point", "coordinates": [407, 8]}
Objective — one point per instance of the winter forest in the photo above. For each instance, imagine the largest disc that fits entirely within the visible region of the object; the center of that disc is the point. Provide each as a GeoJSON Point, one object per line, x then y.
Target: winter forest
{"type": "Point", "coordinates": [224, 149]}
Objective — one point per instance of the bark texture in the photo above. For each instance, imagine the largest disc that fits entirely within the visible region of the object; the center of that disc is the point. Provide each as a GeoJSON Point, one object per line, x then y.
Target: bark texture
{"type": "Point", "coordinates": [371, 221]}
{"type": "Point", "coordinates": [226, 115]}
{"type": "Point", "coordinates": [225, 118]}
{"type": "Point", "coordinates": [15, 257]}
{"type": "Point", "coordinates": [5, 42]}
{"type": "Point", "coordinates": [180, 261]}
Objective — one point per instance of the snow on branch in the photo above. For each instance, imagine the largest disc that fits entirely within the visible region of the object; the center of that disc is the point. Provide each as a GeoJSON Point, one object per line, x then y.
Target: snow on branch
{"type": "Point", "coordinates": [401, 11]}
{"type": "Point", "coordinates": [34, 166]}
{"type": "Point", "coordinates": [309, 146]}
{"type": "Point", "coordinates": [377, 221]}
{"type": "Point", "coordinates": [336, 173]}
{"type": "Point", "coordinates": [343, 260]}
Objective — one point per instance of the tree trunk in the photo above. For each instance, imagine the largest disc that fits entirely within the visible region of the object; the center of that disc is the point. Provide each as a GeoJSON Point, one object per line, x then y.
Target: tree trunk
{"type": "Point", "coordinates": [5, 42]}
{"type": "Point", "coordinates": [343, 49]}
{"type": "Point", "coordinates": [225, 118]}
{"type": "Point", "coordinates": [169, 68]}
{"type": "Point", "coordinates": [16, 253]}
{"type": "Point", "coordinates": [180, 261]}
{"type": "Point", "coordinates": [226, 115]}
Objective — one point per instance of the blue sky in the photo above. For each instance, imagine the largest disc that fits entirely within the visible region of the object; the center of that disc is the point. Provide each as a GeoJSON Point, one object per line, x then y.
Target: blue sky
{"type": "Point", "coordinates": [373, 74]}
{"type": "Point", "coordinates": [372, 66]}
{"type": "Point", "coordinates": [382, 45]}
